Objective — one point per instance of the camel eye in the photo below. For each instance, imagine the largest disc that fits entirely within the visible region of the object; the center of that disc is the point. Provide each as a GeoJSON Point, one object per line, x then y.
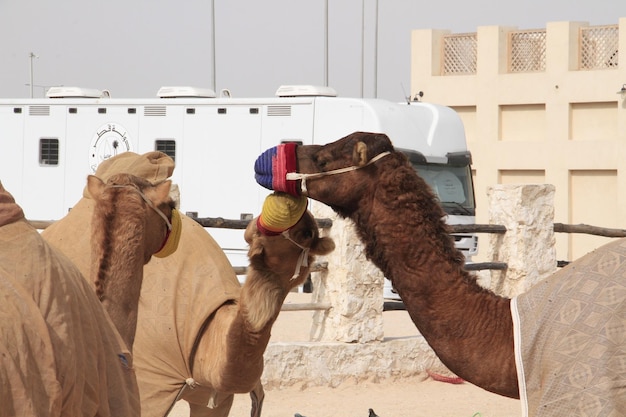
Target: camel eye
{"type": "Point", "coordinates": [321, 163]}
{"type": "Point", "coordinates": [307, 234]}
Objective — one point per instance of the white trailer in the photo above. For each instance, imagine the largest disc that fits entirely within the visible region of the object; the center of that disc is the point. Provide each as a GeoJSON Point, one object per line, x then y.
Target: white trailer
{"type": "Point", "coordinates": [50, 145]}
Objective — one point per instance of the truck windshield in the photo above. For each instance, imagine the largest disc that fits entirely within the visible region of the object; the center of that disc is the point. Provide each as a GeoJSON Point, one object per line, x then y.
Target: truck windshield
{"type": "Point", "coordinates": [452, 185]}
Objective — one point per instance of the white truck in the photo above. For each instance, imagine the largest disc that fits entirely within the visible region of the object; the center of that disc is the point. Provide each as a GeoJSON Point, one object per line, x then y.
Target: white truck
{"type": "Point", "coordinates": [49, 146]}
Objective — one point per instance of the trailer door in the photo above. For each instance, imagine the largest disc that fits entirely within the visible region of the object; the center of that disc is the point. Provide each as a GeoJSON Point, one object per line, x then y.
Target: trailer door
{"type": "Point", "coordinates": [43, 162]}
{"type": "Point", "coordinates": [221, 143]}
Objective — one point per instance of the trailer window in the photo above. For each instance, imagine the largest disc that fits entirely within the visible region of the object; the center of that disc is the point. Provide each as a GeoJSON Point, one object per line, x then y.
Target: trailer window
{"type": "Point", "coordinates": [48, 151]}
{"type": "Point", "coordinates": [167, 146]}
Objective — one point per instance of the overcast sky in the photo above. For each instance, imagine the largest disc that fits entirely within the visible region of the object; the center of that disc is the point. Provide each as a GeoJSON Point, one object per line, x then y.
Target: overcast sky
{"type": "Point", "coordinates": [133, 47]}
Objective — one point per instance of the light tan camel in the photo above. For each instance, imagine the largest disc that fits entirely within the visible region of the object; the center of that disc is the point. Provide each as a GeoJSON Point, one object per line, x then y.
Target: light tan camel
{"type": "Point", "coordinates": [200, 335]}
{"type": "Point", "coordinates": [60, 354]}
{"type": "Point", "coordinates": [573, 323]}
{"type": "Point", "coordinates": [131, 222]}
{"type": "Point", "coordinates": [239, 332]}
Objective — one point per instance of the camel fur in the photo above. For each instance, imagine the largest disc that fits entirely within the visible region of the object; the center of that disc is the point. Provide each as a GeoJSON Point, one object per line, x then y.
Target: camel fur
{"type": "Point", "coordinates": [60, 353]}
{"type": "Point", "coordinates": [474, 331]}
{"type": "Point", "coordinates": [247, 324]}
{"type": "Point", "coordinates": [127, 228]}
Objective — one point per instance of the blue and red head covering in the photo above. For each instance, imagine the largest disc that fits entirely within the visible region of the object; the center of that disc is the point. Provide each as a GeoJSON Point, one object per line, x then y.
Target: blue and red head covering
{"type": "Point", "coordinates": [272, 166]}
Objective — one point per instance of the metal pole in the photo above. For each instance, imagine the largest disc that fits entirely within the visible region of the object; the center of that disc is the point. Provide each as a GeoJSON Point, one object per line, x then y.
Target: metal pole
{"type": "Point", "coordinates": [326, 43]}
{"type": "Point", "coordinates": [31, 56]}
{"type": "Point", "coordinates": [376, 55]}
{"type": "Point", "coordinates": [213, 46]}
{"type": "Point", "coordinates": [362, 45]}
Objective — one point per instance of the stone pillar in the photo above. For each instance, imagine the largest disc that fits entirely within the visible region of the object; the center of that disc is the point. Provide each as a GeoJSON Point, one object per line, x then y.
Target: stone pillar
{"type": "Point", "coordinates": [527, 212]}
{"type": "Point", "coordinates": [353, 286]}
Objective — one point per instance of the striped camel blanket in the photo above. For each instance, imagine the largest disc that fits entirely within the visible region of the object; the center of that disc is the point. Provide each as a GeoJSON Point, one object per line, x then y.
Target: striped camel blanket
{"type": "Point", "coordinates": [570, 338]}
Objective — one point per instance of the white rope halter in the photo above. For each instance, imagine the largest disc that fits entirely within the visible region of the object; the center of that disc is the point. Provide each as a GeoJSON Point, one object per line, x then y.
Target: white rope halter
{"type": "Point", "coordinates": [299, 176]}
{"type": "Point", "coordinates": [303, 260]}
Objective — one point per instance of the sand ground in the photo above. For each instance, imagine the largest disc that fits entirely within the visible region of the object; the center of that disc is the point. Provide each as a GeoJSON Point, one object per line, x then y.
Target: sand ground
{"type": "Point", "coordinates": [418, 396]}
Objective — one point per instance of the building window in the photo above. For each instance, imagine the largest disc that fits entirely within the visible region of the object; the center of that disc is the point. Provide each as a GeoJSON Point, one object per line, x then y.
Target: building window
{"type": "Point", "coordinates": [599, 47]}
{"type": "Point", "coordinates": [167, 146]}
{"type": "Point", "coordinates": [527, 51]}
{"type": "Point", "coordinates": [48, 151]}
{"type": "Point", "coordinates": [460, 54]}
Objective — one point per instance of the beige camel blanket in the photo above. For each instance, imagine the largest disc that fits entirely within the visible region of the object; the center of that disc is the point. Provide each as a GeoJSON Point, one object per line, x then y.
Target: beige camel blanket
{"type": "Point", "coordinates": [179, 293]}
{"type": "Point", "coordinates": [570, 338]}
{"type": "Point", "coordinates": [60, 354]}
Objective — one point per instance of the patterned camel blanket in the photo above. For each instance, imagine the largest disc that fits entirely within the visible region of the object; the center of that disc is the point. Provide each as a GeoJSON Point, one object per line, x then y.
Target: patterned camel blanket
{"type": "Point", "coordinates": [570, 338]}
{"type": "Point", "coordinates": [60, 354]}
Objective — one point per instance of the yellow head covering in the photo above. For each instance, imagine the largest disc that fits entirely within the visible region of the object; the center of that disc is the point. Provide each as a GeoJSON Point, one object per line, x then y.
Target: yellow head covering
{"type": "Point", "coordinates": [280, 212]}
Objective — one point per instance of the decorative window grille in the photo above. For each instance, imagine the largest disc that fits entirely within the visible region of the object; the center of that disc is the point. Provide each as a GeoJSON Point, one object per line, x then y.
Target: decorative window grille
{"type": "Point", "coordinates": [460, 53]}
{"type": "Point", "coordinates": [48, 151]}
{"type": "Point", "coordinates": [167, 146]}
{"type": "Point", "coordinates": [527, 51]}
{"type": "Point", "coordinates": [599, 47]}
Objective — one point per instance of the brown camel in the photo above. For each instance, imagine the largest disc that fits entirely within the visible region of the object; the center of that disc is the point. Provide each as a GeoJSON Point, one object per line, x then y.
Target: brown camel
{"type": "Point", "coordinates": [200, 335]}
{"type": "Point", "coordinates": [471, 329]}
{"type": "Point", "coordinates": [131, 222]}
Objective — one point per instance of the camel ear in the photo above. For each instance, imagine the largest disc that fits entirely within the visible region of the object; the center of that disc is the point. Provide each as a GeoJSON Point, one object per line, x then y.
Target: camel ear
{"type": "Point", "coordinates": [256, 245]}
{"type": "Point", "coordinates": [360, 154]}
{"type": "Point", "coordinates": [254, 238]}
{"type": "Point", "coordinates": [250, 231]}
{"type": "Point", "coordinates": [95, 186]}
{"type": "Point", "coordinates": [323, 246]}
{"type": "Point", "coordinates": [162, 191]}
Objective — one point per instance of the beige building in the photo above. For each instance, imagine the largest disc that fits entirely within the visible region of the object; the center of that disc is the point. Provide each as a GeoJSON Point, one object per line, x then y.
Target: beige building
{"type": "Point", "coordinates": [539, 106]}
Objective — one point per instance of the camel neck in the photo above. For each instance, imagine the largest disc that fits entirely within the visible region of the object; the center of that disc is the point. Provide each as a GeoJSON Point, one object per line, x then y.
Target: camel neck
{"type": "Point", "coordinates": [117, 271]}
{"type": "Point", "coordinates": [406, 237]}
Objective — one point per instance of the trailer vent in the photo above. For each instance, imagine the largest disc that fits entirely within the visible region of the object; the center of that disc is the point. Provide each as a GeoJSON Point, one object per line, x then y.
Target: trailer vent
{"type": "Point", "coordinates": [154, 111]}
{"type": "Point", "coordinates": [279, 110]}
{"type": "Point", "coordinates": [39, 110]}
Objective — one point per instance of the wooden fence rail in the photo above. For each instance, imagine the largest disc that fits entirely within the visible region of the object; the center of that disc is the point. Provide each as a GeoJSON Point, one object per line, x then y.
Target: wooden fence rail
{"type": "Point", "coordinates": [558, 228]}
{"type": "Point", "coordinates": [223, 223]}
{"type": "Point", "coordinates": [220, 222]}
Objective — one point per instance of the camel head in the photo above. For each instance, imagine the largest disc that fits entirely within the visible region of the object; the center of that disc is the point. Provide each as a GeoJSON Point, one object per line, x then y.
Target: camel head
{"type": "Point", "coordinates": [282, 248]}
{"type": "Point", "coordinates": [340, 174]}
{"type": "Point", "coordinates": [139, 204]}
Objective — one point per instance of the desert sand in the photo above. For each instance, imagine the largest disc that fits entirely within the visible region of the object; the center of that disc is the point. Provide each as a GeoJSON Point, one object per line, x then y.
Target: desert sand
{"type": "Point", "coordinates": [418, 396]}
